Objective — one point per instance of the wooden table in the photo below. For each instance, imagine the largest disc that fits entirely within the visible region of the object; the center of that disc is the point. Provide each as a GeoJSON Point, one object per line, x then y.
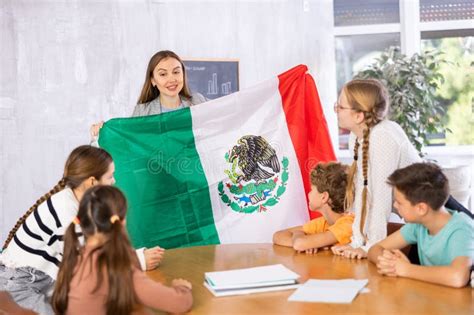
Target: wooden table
{"type": "Point", "coordinates": [387, 295]}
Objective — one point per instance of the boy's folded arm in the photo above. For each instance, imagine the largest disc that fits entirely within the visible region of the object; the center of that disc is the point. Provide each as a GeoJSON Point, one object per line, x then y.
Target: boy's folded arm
{"type": "Point", "coordinates": [454, 275]}
{"type": "Point", "coordinates": [393, 241]}
{"type": "Point", "coordinates": [317, 240]}
{"type": "Point", "coordinates": [285, 237]}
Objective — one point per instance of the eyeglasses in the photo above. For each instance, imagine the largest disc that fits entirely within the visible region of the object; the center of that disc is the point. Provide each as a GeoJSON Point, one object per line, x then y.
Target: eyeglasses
{"type": "Point", "coordinates": [338, 106]}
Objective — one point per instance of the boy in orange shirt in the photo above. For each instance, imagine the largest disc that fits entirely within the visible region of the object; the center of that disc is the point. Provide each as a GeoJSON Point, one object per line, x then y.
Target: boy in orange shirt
{"type": "Point", "coordinates": [328, 187]}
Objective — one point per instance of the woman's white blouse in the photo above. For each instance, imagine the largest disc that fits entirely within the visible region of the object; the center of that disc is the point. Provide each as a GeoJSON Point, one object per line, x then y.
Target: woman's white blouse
{"type": "Point", "coordinates": [389, 150]}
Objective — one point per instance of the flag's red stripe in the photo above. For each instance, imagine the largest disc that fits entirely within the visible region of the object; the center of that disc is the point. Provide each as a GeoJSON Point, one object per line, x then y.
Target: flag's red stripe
{"type": "Point", "coordinates": [306, 123]}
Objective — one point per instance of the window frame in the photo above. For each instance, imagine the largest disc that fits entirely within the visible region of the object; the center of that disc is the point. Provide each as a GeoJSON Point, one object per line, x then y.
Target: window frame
{"type": "Point", "coordinates": [409, 28]}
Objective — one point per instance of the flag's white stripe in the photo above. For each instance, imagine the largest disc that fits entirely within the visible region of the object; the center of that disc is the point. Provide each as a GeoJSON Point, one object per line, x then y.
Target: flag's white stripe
{"type": "Point", "coordinates": [217, 125]}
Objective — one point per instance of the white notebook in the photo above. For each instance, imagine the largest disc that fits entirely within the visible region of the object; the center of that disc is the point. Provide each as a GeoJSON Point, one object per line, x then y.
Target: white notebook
{"type": "Point", "coordinates": [264, 276]}
{"type": "Point", "coordinates": [251, 290]}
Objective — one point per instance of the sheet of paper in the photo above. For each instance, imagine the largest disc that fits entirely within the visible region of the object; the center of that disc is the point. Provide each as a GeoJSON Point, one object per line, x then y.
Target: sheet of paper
{"type": "Point", "coordinates": [251, 277]}
{"type": "Point", "coordinates": [328, 291]}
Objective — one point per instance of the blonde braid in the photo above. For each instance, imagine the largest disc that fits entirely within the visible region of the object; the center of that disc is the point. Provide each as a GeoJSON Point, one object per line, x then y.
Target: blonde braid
{"type": "Point", "coordinates": [365, 168]}
{"type": "Point", "coordinates": [369, 97]}
{"type": "Point", "coordinates": [59, 186]}
{"type": "Point", "coordinates": [349, 198]}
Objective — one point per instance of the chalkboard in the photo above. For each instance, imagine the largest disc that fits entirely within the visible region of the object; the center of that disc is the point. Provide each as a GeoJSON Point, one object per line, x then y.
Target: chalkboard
{"type": "Point", "coordinates": [212, 78]}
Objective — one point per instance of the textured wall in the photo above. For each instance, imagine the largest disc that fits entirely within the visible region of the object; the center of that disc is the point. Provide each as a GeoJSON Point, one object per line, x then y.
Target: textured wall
{"type": "Point", "coordinates": [66, 64]}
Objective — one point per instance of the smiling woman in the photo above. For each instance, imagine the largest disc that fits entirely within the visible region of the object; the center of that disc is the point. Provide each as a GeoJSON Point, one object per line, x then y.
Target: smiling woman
{"type": "Point", "coordinates": [165, 89]}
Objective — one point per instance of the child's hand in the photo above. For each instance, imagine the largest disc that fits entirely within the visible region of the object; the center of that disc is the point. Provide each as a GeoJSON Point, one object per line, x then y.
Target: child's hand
{"type": "Point", "coordinates": [296, 235]}
{"type": "Point", "coordinates": [392, 263]}
{"type": "Point", "coordinates": [358, 253]}
{"type": "Point", "coordinates": [339, 249]}
{"type": "Point", "coordinates": [385, 263]}
{"type": "Point", "coordinates": [181, 283]}
{"type": "Point", "coordinates": [153, 257]}
{"type": "Point", "coordinates": [401, 263]}
{"type": "Point", "coordinates": [310, 251]}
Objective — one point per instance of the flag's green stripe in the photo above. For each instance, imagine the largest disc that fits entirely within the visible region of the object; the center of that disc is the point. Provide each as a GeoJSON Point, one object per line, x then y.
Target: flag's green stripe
{"type": "Point", "coordinates": [158, 168]}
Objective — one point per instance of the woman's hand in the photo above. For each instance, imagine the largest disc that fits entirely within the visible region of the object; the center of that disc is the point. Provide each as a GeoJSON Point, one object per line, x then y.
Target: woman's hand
{"type": "Point", "coordinates": [95, 128]}
{"type": "Point", "coordinates": [153, 257]}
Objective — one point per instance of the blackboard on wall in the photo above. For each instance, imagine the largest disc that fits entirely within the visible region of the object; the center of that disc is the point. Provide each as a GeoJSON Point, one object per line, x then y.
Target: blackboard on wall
{"type": "Point", "coordinates": [212, 78]}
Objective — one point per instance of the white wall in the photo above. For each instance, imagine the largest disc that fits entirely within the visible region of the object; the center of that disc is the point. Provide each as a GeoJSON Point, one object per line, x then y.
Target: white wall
{"type": "Point", "coordinates": [65, 64]}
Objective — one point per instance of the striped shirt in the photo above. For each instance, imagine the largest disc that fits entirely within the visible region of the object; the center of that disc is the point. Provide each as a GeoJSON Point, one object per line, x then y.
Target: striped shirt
{"type": "Point", "coordinates": [38, 243]}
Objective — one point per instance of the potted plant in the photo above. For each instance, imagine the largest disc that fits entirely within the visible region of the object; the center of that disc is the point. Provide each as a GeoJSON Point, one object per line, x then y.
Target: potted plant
{"type": "Point", "coordinates": [415, 106]}
{"type": "Point", "coordinates": [411, 84]}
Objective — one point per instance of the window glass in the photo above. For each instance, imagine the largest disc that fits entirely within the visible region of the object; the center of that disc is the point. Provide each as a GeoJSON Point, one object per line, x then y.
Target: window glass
{"type": "Point", "coordinates": [445, 10]}
{"type": "Point", "coordinates": [457, 91]}
{"type": "Point", "coordinates": [355, 52]}
{"type": "Point", "coordinates": [364, 12]}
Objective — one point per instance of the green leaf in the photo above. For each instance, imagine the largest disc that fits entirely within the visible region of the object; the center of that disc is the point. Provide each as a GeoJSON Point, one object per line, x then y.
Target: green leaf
{"type": "Point", "coordinates": [250, 209]}
{"type": "Point", "coordinates": [235, 206]}
{"type": "Point", "coordinates": [280, 191]}
{"type": "Point", "coordinates": [225, 198]}
{"type": "Point", "coordinates": [270, 202]}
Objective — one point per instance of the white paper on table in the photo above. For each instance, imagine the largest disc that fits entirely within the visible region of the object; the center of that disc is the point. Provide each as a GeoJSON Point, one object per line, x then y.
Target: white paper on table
{"type": "Point", "coordinates": [251, 277]}
{"type": "Point", "coordinates": [328, 291]}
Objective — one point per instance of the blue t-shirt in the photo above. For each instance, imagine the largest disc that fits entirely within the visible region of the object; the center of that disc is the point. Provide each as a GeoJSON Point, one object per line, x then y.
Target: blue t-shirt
{"type": "Point", "coordinates": [455, 239]}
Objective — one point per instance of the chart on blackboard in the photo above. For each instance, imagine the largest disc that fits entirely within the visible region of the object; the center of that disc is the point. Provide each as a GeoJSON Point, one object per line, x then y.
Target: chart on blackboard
{"type": "Point", "coordinates": [212, 78]}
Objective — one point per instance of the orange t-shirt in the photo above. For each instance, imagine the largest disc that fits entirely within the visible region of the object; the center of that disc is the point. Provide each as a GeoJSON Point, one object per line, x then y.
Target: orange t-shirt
{"type": "Point", "coordinates": [342, 228]}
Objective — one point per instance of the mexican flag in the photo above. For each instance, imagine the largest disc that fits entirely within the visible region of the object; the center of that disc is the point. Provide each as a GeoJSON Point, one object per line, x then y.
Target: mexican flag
{"type": "Point", "coordinates": [231, 170]}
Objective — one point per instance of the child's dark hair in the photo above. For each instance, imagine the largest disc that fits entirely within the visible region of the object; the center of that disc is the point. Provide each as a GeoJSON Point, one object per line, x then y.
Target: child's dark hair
{"type": "Point", "coordinates": [83, 162]}
{"type": "Point", "coordinates": [102, 210]}
{"type": "Point", "coordinates": [331, 177]}
{"type": "Point", "coordinates": [421, 182]}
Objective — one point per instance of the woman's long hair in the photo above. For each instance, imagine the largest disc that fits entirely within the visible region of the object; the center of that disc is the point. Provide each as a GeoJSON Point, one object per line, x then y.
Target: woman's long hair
{"type": "Point", "coordinates": [150, 92]}
{"type": "Point", "coordinates": [102, 210]}
{"type": "Point", "coordinates": [371, 98]}
{"type": "Point", "coordinates": [83, 162]}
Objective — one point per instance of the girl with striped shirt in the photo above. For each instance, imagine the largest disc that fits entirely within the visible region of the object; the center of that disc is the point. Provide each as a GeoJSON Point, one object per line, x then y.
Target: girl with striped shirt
{"type": "Point", "coordinates": [34, 247]}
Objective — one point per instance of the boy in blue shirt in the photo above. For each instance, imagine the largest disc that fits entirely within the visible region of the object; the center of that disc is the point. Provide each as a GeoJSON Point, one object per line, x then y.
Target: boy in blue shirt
{"type": "Point", "coordinates": [444, 237]}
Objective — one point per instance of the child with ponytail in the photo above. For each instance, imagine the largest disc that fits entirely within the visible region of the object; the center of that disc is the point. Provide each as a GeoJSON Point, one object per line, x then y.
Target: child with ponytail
{"type": "Point", "coordinates": [380, 146]}
{"type": "Point", "coordinates": [103, 276]}
{"type": "Point", "coordinates": [34, 247]}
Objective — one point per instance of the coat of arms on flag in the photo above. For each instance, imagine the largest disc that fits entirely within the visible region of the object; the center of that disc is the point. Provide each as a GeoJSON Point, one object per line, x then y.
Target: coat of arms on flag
{"type": "Point", "coordinates": [261, 182]}
{"type": "Point", "coordinates": [231, 170]}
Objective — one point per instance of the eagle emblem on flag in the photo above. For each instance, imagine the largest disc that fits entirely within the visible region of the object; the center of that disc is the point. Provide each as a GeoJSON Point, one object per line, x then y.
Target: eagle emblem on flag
{"type": "Point", "coordinates": [256, 179]}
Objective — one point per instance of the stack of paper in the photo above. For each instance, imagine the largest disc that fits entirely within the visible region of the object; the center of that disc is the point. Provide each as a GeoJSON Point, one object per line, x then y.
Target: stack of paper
{"type": "Point", "coordinates": [250, 280]}
{"type": "Point", "coordinates": [328, 291]}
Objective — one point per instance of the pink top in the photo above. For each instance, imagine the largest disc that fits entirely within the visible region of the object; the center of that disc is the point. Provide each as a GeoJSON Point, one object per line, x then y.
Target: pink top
{"type": "Point", "coordinates": [149, 293]}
